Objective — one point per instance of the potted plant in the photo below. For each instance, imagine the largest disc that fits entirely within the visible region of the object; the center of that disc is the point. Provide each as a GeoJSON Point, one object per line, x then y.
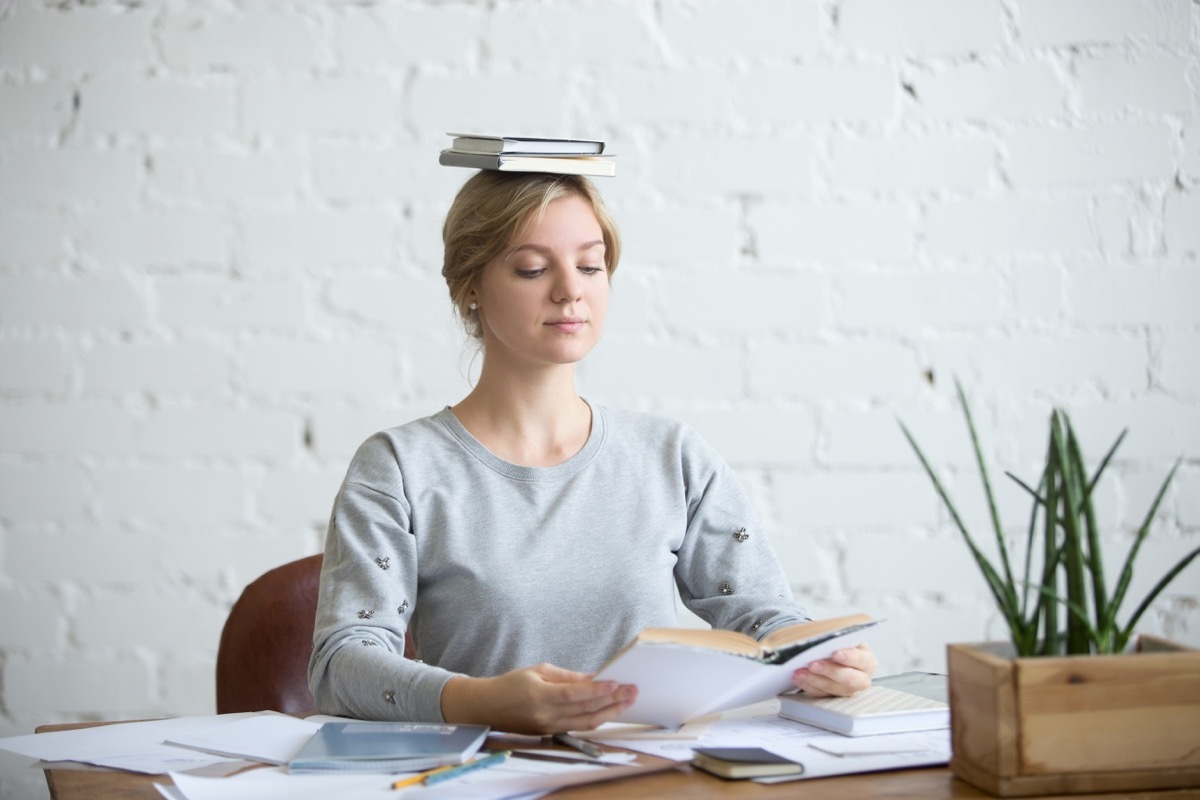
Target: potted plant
{"type": "Point", "coordinates": [1075, 702]}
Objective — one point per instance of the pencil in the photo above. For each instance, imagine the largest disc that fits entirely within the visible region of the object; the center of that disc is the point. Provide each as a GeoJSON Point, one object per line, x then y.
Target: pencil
{"type": "Point", "coordinates": [575, 743]}
{"type": "Point", "coordinates": [470, 766]}
{"type": "Point", "coordinates": [420, 776]}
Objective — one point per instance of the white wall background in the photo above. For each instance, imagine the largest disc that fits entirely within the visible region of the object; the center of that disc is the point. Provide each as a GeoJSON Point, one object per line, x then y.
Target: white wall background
{"type": "Point", "coordinates": [219, 255]}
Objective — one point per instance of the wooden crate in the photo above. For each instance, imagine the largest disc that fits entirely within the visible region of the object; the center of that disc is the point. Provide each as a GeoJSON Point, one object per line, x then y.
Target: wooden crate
{"type": "Point", "coordinates": [1075, 724]}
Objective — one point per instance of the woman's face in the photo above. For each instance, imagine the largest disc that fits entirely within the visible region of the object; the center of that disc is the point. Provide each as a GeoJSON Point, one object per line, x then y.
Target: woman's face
{"type": "Point", "coordinates": [543, 301]}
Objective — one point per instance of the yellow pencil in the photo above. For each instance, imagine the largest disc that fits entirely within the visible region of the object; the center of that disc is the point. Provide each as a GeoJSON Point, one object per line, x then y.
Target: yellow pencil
{"type": "Point", "coordinates": [420, 776]}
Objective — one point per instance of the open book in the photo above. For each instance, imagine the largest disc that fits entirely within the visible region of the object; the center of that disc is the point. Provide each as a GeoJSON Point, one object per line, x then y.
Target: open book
{"type": "Point", "coordinates": [685, 673]}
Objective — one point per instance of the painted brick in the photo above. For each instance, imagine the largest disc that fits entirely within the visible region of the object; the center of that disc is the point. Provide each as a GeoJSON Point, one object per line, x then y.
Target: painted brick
{"type": "Point", "coordinates": [1190, 165]}
{"type": "Point", "coordinates": [64, 177]}
{"type": "Point", "coordinates": [187, 683]}
{"type": "Point", "coordinates": [1110, 84]}
{"type": "Point", "coordinates": [668, 370]}
{"type": "Point", "coordinates": [42, 491]}
{"type": "Point", "coordinates": [248, 41]}
{"type": "Point", "coordinates": [1187, 491]}
{"type": "Point", "coordinates": [1103, 154]}
{"type": "Point", "coordinates": [87, 685]}
{"type": "Point", "coordinates": [155, 495]}
{"type": "Point", "coordinates": [31, 621]}
{"type": "Point", "coordinates": [796, 235]}
{"type": "Point", "coordinates": [1177, 373]}
{"type": "Point", "coordinates": [75, 302]}
{"type": "Point", "coordinates": [318, 369]}
{"type": "Point", "coordinates": [457, 103]}
{"type": "Point", "coordinates": [976, 92]}
{"type": "Point", "coordinates": [861, 438]}
{"type": "Point", "coordinates": [928, 301]}
{"type": "Point", "coordinates": [257, 432]}
{"type": "Point", "coordinates": [775, 29]}
{"type": "Point", "coordinates": [549, 36]}
{"type": "Point", "coordinates": [35, 367]}
{"type": "Point", "coordinates": [721, 304]}
{"type": "Point", "coordinates": [1114, 364]}
{"type": "Point", "coordinates": [156, 239]}
{"type": "Point", "coordinates": [401, 304]}
{"type": "Point", "coordinates": [293, 498]}
{"type": "Point", "coordinates": [66, 429]}
{"type": "Point", "coordinates": [337, 431]}
{"type": "Point", "coordinates": [1008, 227]}
{"type": "Point", "coordinates": [279, 241]}
{"type": "Point", "coordinates": [1038, 290]}
{"type": "Point", "coordinates": [833, 370]}
{"type": "Point", "coordinates": [1159, 428]}
{"type": "Point", "coordinates": [221, 177]}
{"type": "Point", "coordinates": [1072, 22]}
{"type": "Point", "coordinates": [399, 36]}
{"type": "Point", "coordinates": [179, 621]}
{"type": "Point", "coordinates": [132, 103]}
{"type": "Point", "coordinates": [177, 367]}
{"type": "Point", "coordinates": [1182, 224]}
{"type": "Point", "coordinates": [291, 107]}
{"type": "Point", "coordinates": [777, 166]}
{"type": "Point", "coordinates": [362, 174]}
{"type": "Point", "coordinates": [1132, 295]}
{"type": "Point", "coordinates": [942, 564]}
{"type": "Point", "coordinates": [854, 501]}
{"type": "Point", "coordinates": [38, 110]}
{"type": "Point", "coordinates": [754, 435]}
{"type": "Point", "coordinates": [67, 43]}
{"type": "Point", "coordinates": [32, 239]}
{"type": "Point", "coordinates": [818, 93]}
{"type": "Point", "coordinates": [688, 238]}
{"type": "Point", "coordinates": [213, 303]}
{"type": "Point", "coordinates": [926, 27]}
{"type": "Point", "coordinates": [910, 163]}
{"type": "Point", "coordinates": [655, 97]}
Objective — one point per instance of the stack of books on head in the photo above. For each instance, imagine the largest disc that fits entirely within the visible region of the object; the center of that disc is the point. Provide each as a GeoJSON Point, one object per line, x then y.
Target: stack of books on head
{"type": "Point", "coordinates": [525, 154]}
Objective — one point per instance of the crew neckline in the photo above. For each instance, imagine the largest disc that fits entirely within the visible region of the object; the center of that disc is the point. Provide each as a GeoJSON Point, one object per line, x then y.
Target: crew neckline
{"type": "Point", "coordinates": [521, 472]}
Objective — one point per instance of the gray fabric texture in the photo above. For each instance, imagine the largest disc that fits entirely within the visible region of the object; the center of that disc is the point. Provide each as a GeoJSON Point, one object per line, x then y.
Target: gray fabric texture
{"type": "Point", "coordinates": [494, 566]}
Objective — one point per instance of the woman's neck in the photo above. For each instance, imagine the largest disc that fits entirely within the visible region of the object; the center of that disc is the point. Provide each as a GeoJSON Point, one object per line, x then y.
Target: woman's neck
{"type": "Point", "coordinates": [532, 420]}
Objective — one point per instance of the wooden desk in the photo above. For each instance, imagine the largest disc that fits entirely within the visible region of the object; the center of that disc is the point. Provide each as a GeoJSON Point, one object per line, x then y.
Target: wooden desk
{"type": "Point", "coordinates": [926, 784]}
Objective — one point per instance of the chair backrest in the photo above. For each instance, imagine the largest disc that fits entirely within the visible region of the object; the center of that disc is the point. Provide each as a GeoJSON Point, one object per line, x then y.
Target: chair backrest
{"type": "Point", "coordinates": [262, 659]}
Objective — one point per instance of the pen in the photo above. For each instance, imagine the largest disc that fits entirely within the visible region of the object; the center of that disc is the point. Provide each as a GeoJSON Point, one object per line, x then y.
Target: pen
{"type": "Point", "coordinates": [470, 766]}
{"type": "Point", "coordinates": [587, 748]}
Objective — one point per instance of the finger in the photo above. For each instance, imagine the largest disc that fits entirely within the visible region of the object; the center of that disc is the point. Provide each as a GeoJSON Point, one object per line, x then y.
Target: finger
{"type": "Point", "coordinates": [556, 674]}
{"type": "Point", "coordinates": [593, 719]}
{"type": "Point", "coordinates": [861, 658]}
{"type": "Point", "coordinates": [824, 678]}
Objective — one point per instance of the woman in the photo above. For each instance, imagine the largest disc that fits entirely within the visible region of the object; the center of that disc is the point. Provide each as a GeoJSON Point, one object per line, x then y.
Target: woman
{"type": "Point", "coordinates": [523, 535]}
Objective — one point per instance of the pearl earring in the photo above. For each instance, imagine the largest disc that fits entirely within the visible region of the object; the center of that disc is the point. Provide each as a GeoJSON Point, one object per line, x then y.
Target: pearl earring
{"type": "Point", "coordinates": [473, 306]}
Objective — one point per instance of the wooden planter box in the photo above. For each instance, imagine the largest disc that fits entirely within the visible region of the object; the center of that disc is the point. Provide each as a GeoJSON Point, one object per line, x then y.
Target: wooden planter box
{"type": "Point", "coordinates": [1075, 724]}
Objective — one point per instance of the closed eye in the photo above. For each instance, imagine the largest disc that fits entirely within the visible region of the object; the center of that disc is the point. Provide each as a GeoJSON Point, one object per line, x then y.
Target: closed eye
{"type": "Point", "coordinates": [530, 273]}
{"type": "Point", "coordinates": [588, 270]}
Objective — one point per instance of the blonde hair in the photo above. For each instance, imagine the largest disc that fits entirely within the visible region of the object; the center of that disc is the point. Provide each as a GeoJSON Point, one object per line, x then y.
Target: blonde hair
{"type": "Point", "coordinates": [489, 212]}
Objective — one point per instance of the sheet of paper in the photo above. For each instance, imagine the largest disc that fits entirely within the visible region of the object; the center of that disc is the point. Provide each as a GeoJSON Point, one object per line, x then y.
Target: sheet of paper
{"type": "Point", "coordinates": [133, 746]}
{"type": "Point", "coordinates": [268, 738]}
{"type": "Point", "coordinates": [761, 726]}
{"type": "Point", "coordinates": [514, 778]}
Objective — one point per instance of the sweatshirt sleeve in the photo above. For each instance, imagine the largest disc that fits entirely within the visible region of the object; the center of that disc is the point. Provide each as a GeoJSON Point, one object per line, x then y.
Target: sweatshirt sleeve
{"type": "Point", "coordinates": [367, 597]}
{"type": "Point", "coordinates": [727, 572]}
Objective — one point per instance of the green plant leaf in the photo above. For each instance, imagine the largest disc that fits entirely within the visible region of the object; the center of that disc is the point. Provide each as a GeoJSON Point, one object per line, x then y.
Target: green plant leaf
{"type": "Point", "coordinates": [1124, 633]}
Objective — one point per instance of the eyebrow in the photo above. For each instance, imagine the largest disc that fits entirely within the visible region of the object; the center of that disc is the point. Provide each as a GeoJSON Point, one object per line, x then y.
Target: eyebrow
{"type": "Point", "coordinates": [537, 248]}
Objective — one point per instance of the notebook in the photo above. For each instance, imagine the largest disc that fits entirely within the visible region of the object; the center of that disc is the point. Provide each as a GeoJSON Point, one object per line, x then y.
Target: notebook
{"type": "Point", "coordinates": [387, 747]}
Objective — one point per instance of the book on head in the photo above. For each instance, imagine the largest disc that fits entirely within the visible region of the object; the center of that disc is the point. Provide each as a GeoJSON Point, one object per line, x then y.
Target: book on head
{"type": "Point", "coordinates": [484, 143]}
{"type": "Point", "coordinates": [686, 673]}
{"type": "Point", "coordinates": [744, 762]}
{"type": "Point", "coordinates": [877, 709]}
{"type": "Point", "coordinates": [528, 162]}
{"type": "Point", "coordinates": [387, 747]}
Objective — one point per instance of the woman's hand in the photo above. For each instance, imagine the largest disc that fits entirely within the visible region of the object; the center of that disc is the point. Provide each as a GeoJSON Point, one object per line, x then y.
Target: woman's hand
{"type": "Point", "coordinates": [541, 699]}
{"type": "Point", "coordinates": [845, 672]}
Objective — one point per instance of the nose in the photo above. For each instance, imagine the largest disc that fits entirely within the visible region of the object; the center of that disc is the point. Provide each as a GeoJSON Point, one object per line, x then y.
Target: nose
{"type": "Point", "coordinates": [568, 285]}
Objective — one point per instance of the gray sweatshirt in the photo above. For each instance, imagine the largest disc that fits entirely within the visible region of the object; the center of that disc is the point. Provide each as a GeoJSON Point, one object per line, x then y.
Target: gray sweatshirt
{"type": "Point", "coordinates": [491, 566]}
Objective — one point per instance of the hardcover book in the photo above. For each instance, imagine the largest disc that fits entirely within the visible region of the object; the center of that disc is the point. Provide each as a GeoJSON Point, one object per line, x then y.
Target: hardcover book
{"type": "Point", "coordinates": [878, 709]}
{"type": "Point", "coordinates": [387, 747]}
{"type": "Point", "coordinates": [483, 143]}
{"type": "Point", "coordinates": [744, 762]}
{"type": "Point", "coordinates": [686, 673]}
{"type": "Point", "coordinates": [527, 162]}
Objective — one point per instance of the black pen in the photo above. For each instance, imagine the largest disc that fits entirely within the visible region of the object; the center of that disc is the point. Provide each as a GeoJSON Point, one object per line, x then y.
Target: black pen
{"type": "Point", "coordinates": [587, 748]}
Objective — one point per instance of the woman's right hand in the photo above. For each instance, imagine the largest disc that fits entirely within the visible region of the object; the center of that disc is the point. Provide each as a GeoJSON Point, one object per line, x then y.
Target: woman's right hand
{"type": "Point", "coordinates": [541, 699]}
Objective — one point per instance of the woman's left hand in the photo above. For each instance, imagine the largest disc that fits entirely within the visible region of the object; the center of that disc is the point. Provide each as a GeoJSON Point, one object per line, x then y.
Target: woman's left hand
{"type": "Point", "coordinates": [845, 672]}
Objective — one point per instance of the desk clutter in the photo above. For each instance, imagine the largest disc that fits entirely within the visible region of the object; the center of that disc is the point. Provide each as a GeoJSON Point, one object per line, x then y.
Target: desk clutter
{"type": "Point", "coordinates": [233, 756]}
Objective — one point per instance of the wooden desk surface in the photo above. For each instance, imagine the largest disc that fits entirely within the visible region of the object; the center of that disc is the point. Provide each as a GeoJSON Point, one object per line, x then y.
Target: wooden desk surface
{"type": "Point", "coordinates": [927, 784]}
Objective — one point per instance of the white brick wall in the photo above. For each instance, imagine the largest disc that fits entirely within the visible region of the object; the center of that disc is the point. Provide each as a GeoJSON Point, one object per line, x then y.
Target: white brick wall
{"type": "Point", "coordinates": [219, 255]}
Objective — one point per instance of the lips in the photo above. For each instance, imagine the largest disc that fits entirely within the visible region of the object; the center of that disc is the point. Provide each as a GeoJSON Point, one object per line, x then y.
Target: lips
{"type": "Point", "coordinates": [567, 324]}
